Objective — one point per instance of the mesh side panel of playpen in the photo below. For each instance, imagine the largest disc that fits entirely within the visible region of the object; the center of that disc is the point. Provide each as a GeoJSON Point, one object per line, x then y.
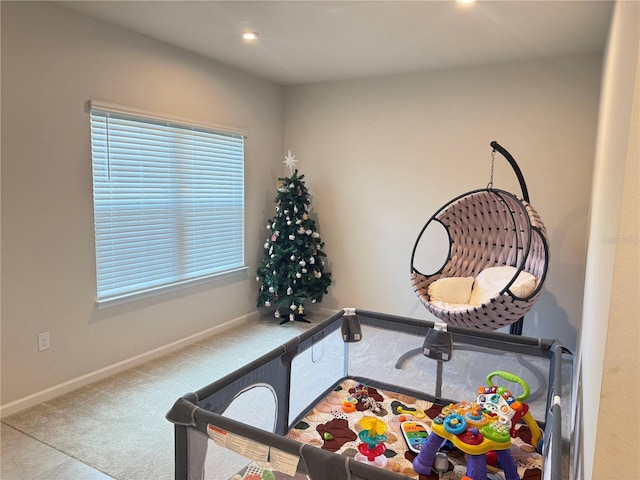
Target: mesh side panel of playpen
{"type": "Point", "coordinates": [383, 357]}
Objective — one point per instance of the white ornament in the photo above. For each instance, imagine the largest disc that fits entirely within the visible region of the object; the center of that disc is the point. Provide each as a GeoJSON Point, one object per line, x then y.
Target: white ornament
{"type": "Point", "coordinates": [292, 257]}
{"type": "Point", "coordinates": [312, 260]}
{"type": "Point", "coordinates": [292, 317]}
{"type": "Point", "coordinates": [293, 306]}
{"type": "Point", "coordinates": [268, 226]}
{"type": "Point", "coordinates": [298, 275]}
{"type": "Point", "coordinates": [308, 232]}
{"type": "Point", "coordinates": [302, 262]}
{"type": "Point", "coordinates": [313, 300]}
{"type": "Point", "coordinates": [271, 289]}
{"type": "Point", "coordinates": [289, 291]}
{"type": "Point", "coordinates": [267, 303]}
{"type": "Point", "coordinates": [315, 235]}
{"type": "Point", "coordinates": [304, 270]}
{"type": "Point", "coordinates": [301, 230]}
{"type": "Point", "coordinates": [276, 313]}
{"type": "Point", "coordinates": [257, 279]}
{"type": "Point", "coordinates": [289, 222]}
{"type": "Point", "coordinates": [295, 209]}
{"type": "Point", "coordinates": [292, 237]}
{"type": "Point", "coordinates": [266, 245]}
{"type": "Point", "coordinates": [291, 185]}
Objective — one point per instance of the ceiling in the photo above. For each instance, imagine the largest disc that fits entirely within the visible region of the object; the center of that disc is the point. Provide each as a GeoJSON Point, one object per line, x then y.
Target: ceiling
{"type": "Point", "coordinates": [316, 41]}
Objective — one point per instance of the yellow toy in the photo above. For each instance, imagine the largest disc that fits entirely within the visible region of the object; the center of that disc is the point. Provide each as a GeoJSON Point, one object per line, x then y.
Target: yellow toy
{"type": "Point", "coordinates": [480, 427]}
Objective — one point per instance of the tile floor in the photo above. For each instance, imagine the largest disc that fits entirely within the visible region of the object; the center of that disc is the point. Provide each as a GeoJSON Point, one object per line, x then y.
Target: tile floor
{"type": "Point", "coordinates": [24, 458]}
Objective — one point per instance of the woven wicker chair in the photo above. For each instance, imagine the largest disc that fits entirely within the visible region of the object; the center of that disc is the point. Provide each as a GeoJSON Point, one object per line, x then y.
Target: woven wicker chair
{"type": "Point", "coordinates": [488, 228]}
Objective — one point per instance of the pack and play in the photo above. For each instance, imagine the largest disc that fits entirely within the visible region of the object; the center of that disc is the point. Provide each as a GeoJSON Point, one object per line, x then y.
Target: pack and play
{"type": "Point", "coordinates": [366, 395]}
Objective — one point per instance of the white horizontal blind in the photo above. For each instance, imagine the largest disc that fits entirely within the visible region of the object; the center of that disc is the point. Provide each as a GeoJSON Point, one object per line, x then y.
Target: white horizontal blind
{"type": "Point", "coordinates": [168, 203]}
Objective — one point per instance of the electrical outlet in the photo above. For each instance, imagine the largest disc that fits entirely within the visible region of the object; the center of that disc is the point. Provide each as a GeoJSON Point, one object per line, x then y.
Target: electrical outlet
{"type": "Point", "coordinates": [44, 342]}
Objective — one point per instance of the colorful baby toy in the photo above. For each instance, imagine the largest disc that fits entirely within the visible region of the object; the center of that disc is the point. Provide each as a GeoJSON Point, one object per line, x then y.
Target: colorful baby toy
{"type": "Point", "coordinates": [349, 404]}
{"type": "Point", "coordinates": [480, 427]}
{"type": "Point", "coordinates": [372, 448]}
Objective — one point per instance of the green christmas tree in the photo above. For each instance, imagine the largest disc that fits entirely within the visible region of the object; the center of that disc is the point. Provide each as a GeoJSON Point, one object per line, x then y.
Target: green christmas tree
{"type": "Point", "coordinates": [292, 269]}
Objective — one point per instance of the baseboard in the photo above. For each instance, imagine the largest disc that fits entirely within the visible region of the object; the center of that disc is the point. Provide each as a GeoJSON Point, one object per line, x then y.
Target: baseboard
{"type": "Point", "coordinates": [81, 381]}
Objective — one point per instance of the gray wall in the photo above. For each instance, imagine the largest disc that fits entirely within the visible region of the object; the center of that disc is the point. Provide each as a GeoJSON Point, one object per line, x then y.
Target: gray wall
{"type": "Point", "coordinates": [53, 60]}
{"type": "Point", "coordinates": [382, 155]}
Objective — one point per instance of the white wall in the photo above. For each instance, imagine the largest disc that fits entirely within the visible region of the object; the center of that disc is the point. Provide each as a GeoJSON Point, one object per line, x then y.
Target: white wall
{"type": "Point", "coordinates": [382, 154]}
{"type": "Point", "coordinates": [53, 60]}
{"type": "Point", "coordinates": [607, 365]}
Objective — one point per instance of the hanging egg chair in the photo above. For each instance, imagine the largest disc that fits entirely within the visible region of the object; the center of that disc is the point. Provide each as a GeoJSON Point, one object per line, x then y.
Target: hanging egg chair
{"type": "Point", "coordinates": [496, 240]}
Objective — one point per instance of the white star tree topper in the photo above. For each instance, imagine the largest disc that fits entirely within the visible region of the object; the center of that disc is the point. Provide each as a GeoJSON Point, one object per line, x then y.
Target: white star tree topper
{"type": "Point", "coordinates": [290, 161]}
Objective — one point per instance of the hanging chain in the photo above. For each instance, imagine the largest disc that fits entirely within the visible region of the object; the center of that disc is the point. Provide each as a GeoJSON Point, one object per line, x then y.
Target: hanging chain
{"type": "Point", "coordinates": [493, 161]}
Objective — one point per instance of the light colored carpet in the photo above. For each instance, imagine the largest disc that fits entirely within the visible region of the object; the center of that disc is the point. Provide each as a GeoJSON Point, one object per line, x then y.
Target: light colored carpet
{"type": "Point", "coordinates": [118, 425]}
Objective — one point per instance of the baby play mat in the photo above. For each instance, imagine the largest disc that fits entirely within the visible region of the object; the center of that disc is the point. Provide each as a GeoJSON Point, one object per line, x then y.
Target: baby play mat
{"type": "Point", "coordinates": [330, 427]}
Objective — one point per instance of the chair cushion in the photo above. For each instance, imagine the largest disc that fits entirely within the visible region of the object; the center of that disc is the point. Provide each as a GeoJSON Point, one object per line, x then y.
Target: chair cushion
{"type": "Point", "coordinates": [451, 290]}
{"type": "Point", "coordinates": [492, 280]}
{"type": "Point", "coordinates": [451, 307]}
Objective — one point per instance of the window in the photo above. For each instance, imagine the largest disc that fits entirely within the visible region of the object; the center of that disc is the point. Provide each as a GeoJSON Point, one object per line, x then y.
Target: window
{"type": "Point", "coordinates": [168, 202]}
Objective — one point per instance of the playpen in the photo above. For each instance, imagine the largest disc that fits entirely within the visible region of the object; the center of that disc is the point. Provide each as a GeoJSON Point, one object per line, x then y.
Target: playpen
{"type": "Point", "coordinates": [266, 419]}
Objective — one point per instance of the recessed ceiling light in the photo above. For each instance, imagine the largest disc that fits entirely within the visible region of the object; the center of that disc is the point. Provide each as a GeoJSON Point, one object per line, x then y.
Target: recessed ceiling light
{"type": "Point", "coordinates": [250, 35]}
{"type": "Point", "coordinates": [465, 1]}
